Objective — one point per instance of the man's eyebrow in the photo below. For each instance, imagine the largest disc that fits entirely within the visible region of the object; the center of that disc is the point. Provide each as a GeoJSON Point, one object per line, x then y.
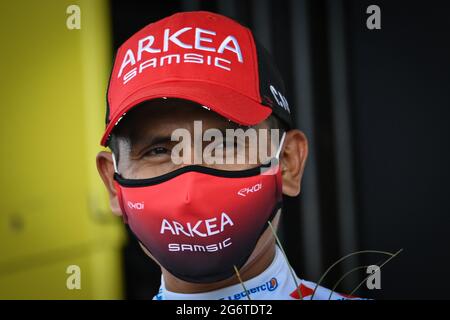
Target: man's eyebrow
{"type": "Point", "coordinates": [233, 127]}
{"type": "Point", "coordinates": [153, 139]}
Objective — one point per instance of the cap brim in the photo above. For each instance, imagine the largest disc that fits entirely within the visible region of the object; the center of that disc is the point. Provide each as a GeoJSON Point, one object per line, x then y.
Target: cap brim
{"type": "Point", "coordinates": [225, 101]}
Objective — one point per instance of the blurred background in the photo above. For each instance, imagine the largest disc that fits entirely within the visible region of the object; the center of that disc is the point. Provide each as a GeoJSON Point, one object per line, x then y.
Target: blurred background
{"type": "Point", "coordinates": [373, 103]}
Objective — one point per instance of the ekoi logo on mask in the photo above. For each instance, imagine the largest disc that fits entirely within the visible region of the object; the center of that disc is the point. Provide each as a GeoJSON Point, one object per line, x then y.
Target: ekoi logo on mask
{"type": "Point", "coordinates": [136, 205]}
{"type": "Point", "coordinates": [245, 191]}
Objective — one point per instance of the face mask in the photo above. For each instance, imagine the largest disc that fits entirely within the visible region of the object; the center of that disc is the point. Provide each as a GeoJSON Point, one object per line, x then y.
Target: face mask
{"type": "Point", "coordinates": [199, 222]}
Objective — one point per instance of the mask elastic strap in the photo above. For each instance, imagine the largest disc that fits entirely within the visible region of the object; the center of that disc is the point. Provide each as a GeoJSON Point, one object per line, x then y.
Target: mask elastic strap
{"type": "Point", "coordinates": [115, 164]}
{"type": "Point", "coordinates": [280, 147]}
{"type": "Point", "coordinates": [119, 192]}
{"type": "Point", "coordinates": [275, 161]}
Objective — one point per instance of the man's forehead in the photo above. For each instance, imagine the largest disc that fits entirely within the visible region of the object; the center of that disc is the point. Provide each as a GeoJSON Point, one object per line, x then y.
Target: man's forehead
{"type": "Point", "coordinates": [162, 117]}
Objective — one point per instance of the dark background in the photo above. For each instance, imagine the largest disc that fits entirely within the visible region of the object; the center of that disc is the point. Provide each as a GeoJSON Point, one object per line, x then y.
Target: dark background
{"type": "Point", "coordinates": [375, 107]}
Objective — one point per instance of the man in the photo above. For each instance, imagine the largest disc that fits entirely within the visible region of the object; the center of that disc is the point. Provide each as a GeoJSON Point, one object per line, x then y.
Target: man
{"type": "Point", "coordinates": [206, 218]}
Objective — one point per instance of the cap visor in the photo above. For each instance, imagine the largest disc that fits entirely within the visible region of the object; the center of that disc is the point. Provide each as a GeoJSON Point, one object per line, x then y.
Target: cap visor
{"type": "Point", "coordinates": [225, 101]}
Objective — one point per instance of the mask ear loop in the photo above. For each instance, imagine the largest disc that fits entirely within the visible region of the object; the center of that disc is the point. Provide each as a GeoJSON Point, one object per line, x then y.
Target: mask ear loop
{"type": "Point", "coordinates": [114, 164]}
{"type": "Point", "coordinates": [274, 162]}
{"type": "Point", "coordinates": [119, 191]}
{"type": "Point", "coordinates": [280, 147]}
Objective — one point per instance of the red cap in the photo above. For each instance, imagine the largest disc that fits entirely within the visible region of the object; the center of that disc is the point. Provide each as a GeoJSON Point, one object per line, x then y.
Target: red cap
{"type": "Point", "coordinates": [199, 56]}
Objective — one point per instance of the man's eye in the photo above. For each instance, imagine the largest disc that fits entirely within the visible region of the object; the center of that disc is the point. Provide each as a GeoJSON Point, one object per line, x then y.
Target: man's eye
{"type": "Point", "coordinates": [157, 151]}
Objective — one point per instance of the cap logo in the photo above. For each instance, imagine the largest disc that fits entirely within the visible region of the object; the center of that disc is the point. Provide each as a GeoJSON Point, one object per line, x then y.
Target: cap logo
{"type": "Point", "coordinates": [280, 99]}
{"type": "Point", "coordinates": [202, 41]}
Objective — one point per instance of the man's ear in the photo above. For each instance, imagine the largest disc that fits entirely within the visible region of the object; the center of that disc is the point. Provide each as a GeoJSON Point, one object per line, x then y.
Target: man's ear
{"type": "Point", "coordinates": [105, 168]}
{"type": "Point", "coordinates": [293, 159]}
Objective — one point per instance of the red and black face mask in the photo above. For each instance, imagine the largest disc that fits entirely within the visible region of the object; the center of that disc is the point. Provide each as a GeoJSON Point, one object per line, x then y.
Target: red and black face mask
{"type": "Point", "coordinates": [199, 222]}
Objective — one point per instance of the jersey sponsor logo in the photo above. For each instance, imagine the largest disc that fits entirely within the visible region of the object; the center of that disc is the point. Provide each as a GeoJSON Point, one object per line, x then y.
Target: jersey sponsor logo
{"type": "Point", "coordinates": [267, 286]}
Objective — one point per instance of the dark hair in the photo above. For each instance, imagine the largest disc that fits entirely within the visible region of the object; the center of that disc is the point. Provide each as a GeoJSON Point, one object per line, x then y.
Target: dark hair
{"type": "Point", "coordinates": [113, 145]}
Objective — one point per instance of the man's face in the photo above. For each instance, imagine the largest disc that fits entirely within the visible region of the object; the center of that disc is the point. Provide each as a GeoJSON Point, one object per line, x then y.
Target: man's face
{"type": "Point", "coordinates": [145, 144]}
{"type": "Point", "coordinates": [145, 151]}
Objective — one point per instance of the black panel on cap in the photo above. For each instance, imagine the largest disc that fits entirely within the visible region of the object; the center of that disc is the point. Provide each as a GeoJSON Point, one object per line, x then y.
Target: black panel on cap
{"type": "Point", "coordinates": [269, 76]}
